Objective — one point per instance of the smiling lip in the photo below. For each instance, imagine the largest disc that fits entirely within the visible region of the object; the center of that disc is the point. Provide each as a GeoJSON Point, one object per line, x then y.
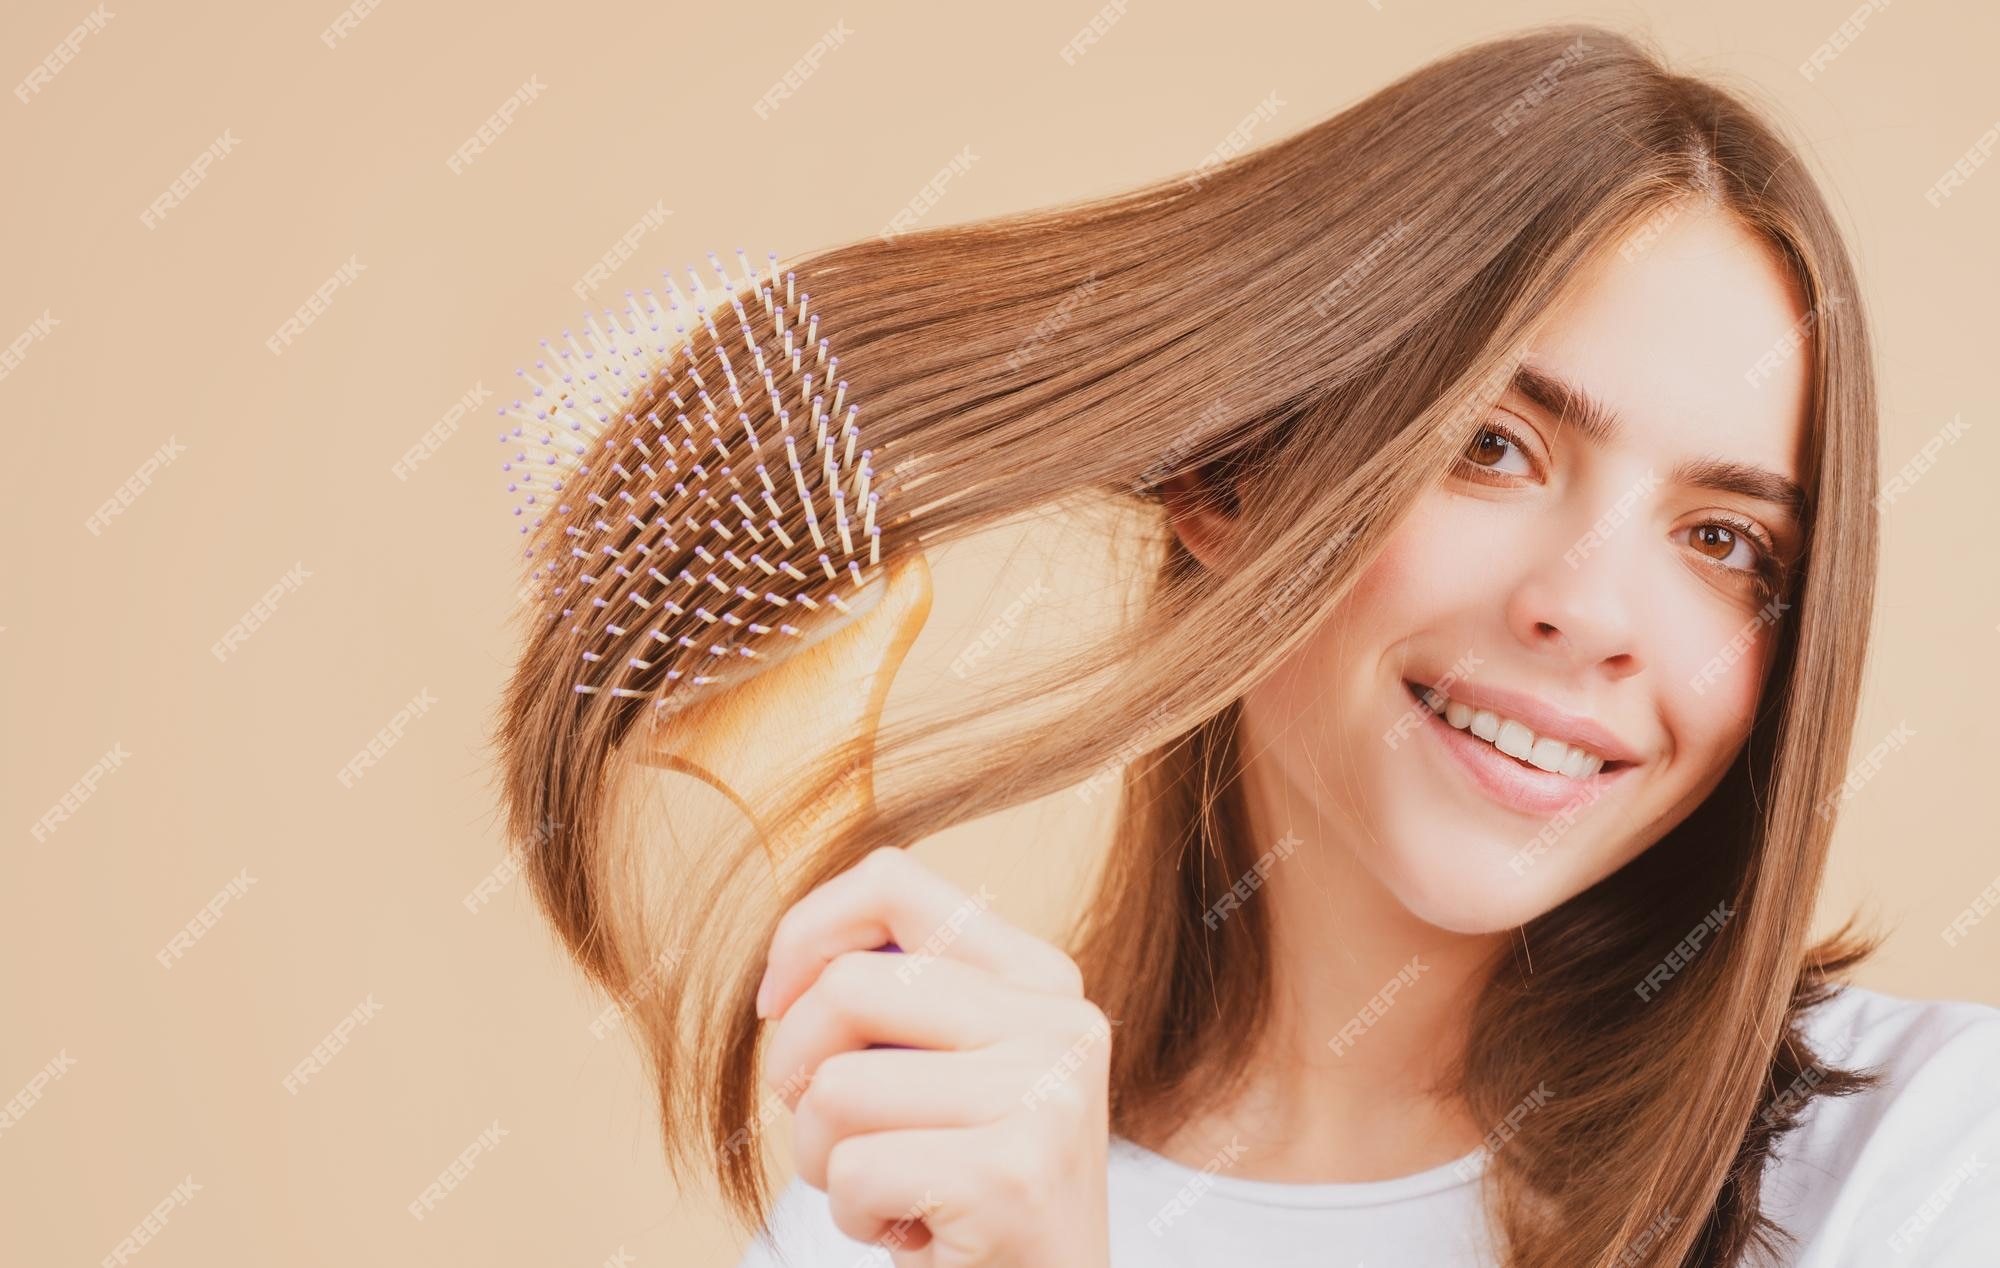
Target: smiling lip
{"type": "Point", "coordinates": [1514, 784]}
{"type": "Point", "coordinates": [1546, 721]}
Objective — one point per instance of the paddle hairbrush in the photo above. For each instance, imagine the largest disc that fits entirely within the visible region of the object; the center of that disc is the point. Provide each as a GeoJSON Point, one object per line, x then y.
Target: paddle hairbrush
{"type": "Point", "coordinates": [705, 524]}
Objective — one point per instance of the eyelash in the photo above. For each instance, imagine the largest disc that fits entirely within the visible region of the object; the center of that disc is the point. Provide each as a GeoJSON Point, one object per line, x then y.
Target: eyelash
{"type": "Point", "coordinates": [1768, 576]}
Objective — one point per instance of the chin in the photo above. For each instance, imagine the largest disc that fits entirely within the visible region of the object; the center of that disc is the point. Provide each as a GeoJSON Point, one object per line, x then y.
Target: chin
{"type": "Point", "coordinates": [1475, 891]}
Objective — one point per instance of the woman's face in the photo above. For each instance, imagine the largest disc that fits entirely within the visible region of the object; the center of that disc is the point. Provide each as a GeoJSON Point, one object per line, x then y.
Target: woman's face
{"type": "Point", "coordinates": [1588, 589]}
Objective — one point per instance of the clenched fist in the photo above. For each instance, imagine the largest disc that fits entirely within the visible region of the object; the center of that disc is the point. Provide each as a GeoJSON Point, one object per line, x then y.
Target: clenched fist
{"type": "Point", "coordinates": [981, 1138]}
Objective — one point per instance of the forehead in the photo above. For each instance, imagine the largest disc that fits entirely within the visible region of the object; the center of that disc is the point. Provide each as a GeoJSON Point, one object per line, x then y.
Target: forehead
{"type": "Point", "coordinates": [1698, 341]}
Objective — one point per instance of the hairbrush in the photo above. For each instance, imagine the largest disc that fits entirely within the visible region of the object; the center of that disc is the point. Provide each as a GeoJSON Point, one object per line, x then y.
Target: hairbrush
{"type": "Point", "coordinates": [704, 528]}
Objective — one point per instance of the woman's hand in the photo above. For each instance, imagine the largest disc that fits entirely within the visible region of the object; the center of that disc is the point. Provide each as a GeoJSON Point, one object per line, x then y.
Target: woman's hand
{"type": "Point", "coordinates": [983, 1140]}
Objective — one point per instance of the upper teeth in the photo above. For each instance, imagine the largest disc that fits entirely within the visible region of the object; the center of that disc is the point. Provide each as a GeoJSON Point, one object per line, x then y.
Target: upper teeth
{"type": "Point", "coordinates": [1515, 739]}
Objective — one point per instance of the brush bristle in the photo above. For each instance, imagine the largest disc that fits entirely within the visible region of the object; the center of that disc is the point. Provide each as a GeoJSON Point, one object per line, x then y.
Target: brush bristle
{"type": "Point", "coordinates": [688, 496]}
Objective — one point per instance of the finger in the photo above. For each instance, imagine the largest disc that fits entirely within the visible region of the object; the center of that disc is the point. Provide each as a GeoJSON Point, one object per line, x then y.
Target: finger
{"type": "Point", "coordinates": [886, 1186]}
{"type": "Point", "coordinates": [861, 998]}
{"type": "Point", "coordinates": [855, 1093]}
{"type": "Point", "coordinates": [891, 897]}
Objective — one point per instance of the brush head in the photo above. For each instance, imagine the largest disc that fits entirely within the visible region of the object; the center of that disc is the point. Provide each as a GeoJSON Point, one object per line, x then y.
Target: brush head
{"type": "Point", "coordinates": [696, 504]}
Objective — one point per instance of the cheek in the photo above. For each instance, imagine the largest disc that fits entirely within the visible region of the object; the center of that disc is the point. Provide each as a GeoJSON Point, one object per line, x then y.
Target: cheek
{"type": "Point", "coordinates": [1711, 677]}
{"type": "Point", "coordinates": [1425, 568]}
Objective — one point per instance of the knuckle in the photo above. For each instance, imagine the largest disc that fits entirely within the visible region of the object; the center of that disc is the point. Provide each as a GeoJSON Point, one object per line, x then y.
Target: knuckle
{"type": "Point", "coordinates": [889, 860]}
{"type": "Point", "coordinates": [847, 978]}
{"type": "Point", "coordinates": [1015, 1174]}
{"type": "Point", "coordinates": [844, 1166]}
{"type": "Point", "coordinates": [836, 1089]}
{"type": "Point", "coordinates": [1063, 973]}
{"type": "Point", "coordinates": [1087, 1020]}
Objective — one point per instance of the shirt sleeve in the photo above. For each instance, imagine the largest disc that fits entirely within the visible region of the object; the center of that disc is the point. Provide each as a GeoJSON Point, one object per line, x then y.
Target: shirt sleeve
{"type": "Point", "coordinates": [1907, 1174]}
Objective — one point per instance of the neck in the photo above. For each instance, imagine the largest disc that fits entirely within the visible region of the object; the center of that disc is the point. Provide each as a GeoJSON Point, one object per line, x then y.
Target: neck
{"type": "Point", "coordinates": [1369, 1012]}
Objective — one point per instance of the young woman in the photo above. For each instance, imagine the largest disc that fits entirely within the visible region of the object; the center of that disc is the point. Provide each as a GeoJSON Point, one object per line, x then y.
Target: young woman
{"type": "Point", "coordinates": [1511, 440]}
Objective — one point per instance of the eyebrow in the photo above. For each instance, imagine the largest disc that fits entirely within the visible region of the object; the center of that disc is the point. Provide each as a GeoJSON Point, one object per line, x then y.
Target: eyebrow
{"type": "Point", "coordinates": [1573, 404]}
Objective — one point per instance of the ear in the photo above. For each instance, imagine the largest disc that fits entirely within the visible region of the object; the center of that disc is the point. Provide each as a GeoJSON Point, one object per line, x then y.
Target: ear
{"type": "Point", "coordinates": [1198, 517]}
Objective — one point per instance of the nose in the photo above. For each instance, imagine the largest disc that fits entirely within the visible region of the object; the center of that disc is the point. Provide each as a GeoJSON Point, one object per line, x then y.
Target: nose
{"type": "Point", "coordinates": [1576, 604]}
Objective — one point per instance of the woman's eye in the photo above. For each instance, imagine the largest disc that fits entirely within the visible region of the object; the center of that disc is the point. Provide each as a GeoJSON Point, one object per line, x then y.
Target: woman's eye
{"type": "Point", "coordinates": [1493, 446]}
{"type": "Point", "coordinates": [1740, 550]}
{"type": "Point", "coordinates": [1725, 542]}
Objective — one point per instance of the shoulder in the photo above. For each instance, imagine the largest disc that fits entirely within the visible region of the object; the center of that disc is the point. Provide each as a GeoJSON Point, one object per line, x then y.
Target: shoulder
{"type": "Point", "coordinates": [1905, 1171]}
{"type": "Point", "coordinates": [1905, 1032]}
{"type": "Point", "coordinates": [801, 1234]}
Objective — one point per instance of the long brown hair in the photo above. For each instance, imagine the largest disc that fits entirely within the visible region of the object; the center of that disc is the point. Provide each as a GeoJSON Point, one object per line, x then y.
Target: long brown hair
{"type": "Point", "coordinates": [1316, 327]}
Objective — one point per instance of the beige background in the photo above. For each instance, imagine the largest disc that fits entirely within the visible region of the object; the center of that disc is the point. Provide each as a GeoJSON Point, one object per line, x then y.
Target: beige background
{"type": "Point", "coordinates": [286, 461]}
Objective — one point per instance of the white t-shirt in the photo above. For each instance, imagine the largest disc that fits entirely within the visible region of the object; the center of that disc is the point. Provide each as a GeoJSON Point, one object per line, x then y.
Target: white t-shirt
{"type": "Point", "coordinates": [1900, 1176]}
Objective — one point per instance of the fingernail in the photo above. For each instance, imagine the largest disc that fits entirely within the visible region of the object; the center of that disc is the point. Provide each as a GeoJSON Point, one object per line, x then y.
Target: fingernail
{"type": "Point", "coordinates": [763, 994]}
